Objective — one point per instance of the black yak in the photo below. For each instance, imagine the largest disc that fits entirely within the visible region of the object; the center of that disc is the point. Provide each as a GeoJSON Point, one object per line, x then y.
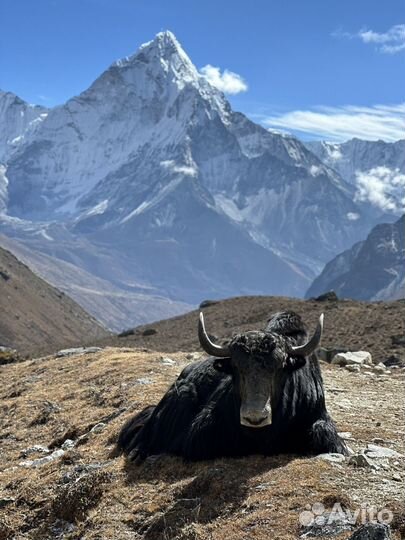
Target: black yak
{"type": "Point", "coordinates": [260, 394]}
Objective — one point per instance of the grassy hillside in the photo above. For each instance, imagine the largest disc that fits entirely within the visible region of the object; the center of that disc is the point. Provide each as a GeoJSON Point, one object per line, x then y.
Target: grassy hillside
{"type": "Point", "coordinates": [36, 317]}
{"type": "Point", "coordinates": [375, 327]}
{"type": "Point", "coordinates": [75, 406]}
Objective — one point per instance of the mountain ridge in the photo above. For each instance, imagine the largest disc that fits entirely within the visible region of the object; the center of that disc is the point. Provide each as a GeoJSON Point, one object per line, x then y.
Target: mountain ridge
{"type": "Point", "coordinates": [141, 164]}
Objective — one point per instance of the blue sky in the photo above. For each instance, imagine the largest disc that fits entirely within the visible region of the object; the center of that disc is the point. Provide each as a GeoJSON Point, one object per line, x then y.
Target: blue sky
{"type": "Point", "coordinates": [318, 68]}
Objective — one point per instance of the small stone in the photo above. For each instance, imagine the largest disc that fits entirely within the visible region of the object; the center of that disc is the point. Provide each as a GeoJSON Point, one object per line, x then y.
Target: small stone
{"type": "Point", "coordinates": [332, 457]}
{"type": "Point", "coordinates": [354, 357]}
{"type": "Point", "coordinates": [372, 531]}
{"type": "Point", "coordinates": [166, 361]}
{"type": "Point", "coordinates": [36, 449]}
{"type": "Point", "coordinates": [326, 355]}
{"type": "Point", "coordinates": [193, 356]}
{"type": "Point", "coordinates": [345, 435]}
{"type": "Point", "coordinates": [69, 352]}
{"type": "Point", "coordinates": [68, 444]}
{"type": "Point", "coordinates": [77, 350]}
{"type": "Point", "coordinates": [92, 350]}
{"type": "Point", "coordinates": [98, 428]}
{"type": "Point", "coordinates": [43, 461]}
{"type": "Point", "coordinates": [361, 460]}
{"type": "Point", "coordinates": [143, 380]}
{"type": "Point", "coordinates": [375, 451]}
{"type": "Point", "coordinates": [380, 369]}
{"type": "Point", "coordinates": [397, 477]}
{"type": "Point", "coordinates": [329, 296]}
{"type": "Point", "coordinates": [353, 368]}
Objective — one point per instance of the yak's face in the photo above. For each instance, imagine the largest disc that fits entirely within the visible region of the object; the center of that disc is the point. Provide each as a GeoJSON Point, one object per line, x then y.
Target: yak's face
{"type": "Point", "coordinates": [256, 362]}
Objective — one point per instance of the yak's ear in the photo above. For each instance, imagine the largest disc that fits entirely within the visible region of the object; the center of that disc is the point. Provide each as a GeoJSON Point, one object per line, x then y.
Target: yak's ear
{"type": "Point", "coordinates": [223, 365]}
{"type": "Point", "coordinates": [295, 362]}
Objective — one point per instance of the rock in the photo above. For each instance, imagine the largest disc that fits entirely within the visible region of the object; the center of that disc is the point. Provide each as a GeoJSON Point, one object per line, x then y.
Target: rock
{"type": "Point", "coordinates": [372, 531]}
{"type": "Point", "coordinates": [207, 303]}
{"type": "Point", "coordinates": [98, 428]}
{"type": "Point", "coordinates": [352, 358]}
{"type": "Point", "coordinates": [326, 355]}
{"type": "Point", "coordinates": [92, 350]}
{"type": "Point", "coordinates": [166, 361]}
{"type": "Point", "coordinates": [36, 449]}
{"type": "Point", "coordinates": [361, 460]}
{"type": "Point", "coordinates": [125, 333]}
{"type": "Point", "coordinates": [149, 332]}
{"type": "Point", "coordinates": [325, 524]}
{"type": "Point", "coordinates": [345, 435]}
{"type": "Point", "coordinates": [8, 356]}
{"type": "Point", "coordinates": [332, 457]}
{"type": "Point", "coordinates": [353, 368]}
{"type": "Point", "coordinates": [380, 369]}
{"type": "Point", "coordinates": [329, 296]}
{"type": "Point", "coordinates": [77, 350]}
{"type": "Point", "coordinates": [193, 356]}
{"type": "Point", "coordinates": [393, 361]}
{"type": "Point", "coordinates": [4, 275]}
{"type": "Point", "coordinates": [397, 477]}
{"type": "Point", "coordinates": [44, 460]}
{"type": "Point", "coordinates": [375, 452]}
{"type": "Point", "coordinates": [68, 444]}
{"type": "Point", "coordinates": [144, 380]}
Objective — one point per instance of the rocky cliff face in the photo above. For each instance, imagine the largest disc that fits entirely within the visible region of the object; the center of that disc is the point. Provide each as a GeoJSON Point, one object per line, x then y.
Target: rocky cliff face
{"type": "Point", "coordinates": [371, 270]}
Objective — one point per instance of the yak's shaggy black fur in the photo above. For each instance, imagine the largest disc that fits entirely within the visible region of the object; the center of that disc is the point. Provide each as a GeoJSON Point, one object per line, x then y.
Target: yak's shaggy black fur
{"type": "Point", "coordinates": [199, 416]}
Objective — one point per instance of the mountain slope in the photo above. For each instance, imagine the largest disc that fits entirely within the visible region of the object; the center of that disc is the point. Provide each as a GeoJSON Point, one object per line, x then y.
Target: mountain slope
{"type": "Point", "coordinates": [375, 168]}
{"type": "Point", "coordinates": [37, 317]}
{"type": "Point", "coordinates": [17, 120]}
{"type": "Point", "coordinates": [152, 171]}
{"type": "Point", "coordinates": [112, 305]}
{"type": "Point", "coordinates": [371, 270]}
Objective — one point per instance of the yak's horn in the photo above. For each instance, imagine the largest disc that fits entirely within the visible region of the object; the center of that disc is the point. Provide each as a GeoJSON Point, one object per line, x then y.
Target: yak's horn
{"type": "Point", "coordinates": [309, 347]}
{"type": "Point", "coordinates": [208, 346]}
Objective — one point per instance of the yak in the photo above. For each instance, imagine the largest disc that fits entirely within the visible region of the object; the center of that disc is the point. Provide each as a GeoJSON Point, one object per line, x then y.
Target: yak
{"type": "Point", "coordinates": [262, 393]}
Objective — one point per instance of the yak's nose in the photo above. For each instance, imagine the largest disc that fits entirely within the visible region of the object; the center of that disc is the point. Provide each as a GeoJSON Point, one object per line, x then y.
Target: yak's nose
{"type": "Point", "coordinates": [255, 418]}
{"type": "Point", "coordinates": [256, 421]}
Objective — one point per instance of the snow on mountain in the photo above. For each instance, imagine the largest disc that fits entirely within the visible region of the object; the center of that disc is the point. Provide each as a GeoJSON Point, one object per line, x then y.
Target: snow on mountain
{"type": "Point", "coordinates": [371, 270]}
{"type": "Point", "coordinates": [17, 120]}
{"type": "Point", "coordinates": [375, 168]}
{"type": "Point", "coordinates": [150, 171]}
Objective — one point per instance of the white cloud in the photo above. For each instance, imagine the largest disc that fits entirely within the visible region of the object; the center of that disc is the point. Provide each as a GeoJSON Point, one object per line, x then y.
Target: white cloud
{"type": "Point", "coordinates": [390, 42]}
{"type": "Point", "coordinates": [227, 81]}
{"type": "Point", "coordinates": [382, 187]}
{"type": "Point", "coordinates": [342, 123]}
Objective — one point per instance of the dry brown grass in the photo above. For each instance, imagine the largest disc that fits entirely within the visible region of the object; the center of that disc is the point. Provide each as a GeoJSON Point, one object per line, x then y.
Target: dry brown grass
{"type": "Point", "coordinates": [89, 493]}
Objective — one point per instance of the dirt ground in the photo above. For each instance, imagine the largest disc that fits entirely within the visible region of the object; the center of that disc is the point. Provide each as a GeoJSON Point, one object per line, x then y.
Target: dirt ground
{"type": "Point", "coordinates": [89, 493]}
{"type": "Point", "coordinates": [371, 326]}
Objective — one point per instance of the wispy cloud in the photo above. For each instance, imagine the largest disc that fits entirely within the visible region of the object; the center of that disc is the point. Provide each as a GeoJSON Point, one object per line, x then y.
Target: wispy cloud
{"type": "Point", "coordinates": [384, 122]}
{"type": "Point", "coordinates": [390, 42]}
{"type": "Point", "coordinates": [227, 81]}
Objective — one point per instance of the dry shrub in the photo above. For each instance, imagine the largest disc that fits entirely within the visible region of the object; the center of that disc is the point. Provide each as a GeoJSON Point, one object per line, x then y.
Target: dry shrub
{"type": "Point", "coordinates": [73, 500]}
